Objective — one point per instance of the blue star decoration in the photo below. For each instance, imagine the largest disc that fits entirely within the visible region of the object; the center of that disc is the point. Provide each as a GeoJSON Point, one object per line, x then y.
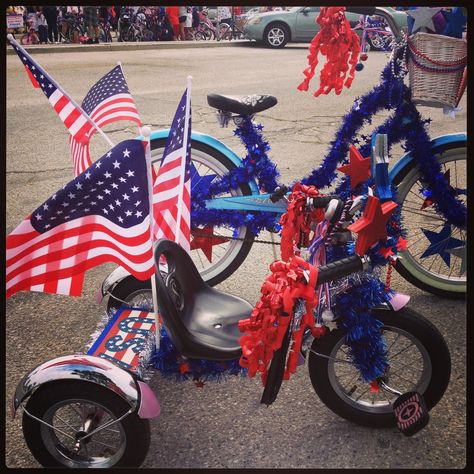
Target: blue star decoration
{"type": "Point", "coordinates": [441, 243]}
{"type": "Point", "coordinates": [200, 184]}
{"type": "Point", "coordinates": [455, 21]}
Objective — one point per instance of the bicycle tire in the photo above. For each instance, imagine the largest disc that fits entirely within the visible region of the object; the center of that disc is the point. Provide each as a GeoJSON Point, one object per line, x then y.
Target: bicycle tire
{"type": "Point", "coordinates": [74, 34]}
{"type": "Point", "coordinates": [25, 39]}
{"type": "Point", "coordinates": [329, 383]}
{"type": "Point", "coordinates": [412, 269]}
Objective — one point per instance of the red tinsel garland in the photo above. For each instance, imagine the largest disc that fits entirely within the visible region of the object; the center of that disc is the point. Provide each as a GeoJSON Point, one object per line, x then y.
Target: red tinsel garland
{"type": "Point", "coordinates": [340, 45]}
{"type": "Point", "coordinates": [290, 280]}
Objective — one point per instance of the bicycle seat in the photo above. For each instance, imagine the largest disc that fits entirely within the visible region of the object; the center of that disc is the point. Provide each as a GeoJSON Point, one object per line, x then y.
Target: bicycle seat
{"type": "Point", "coordinates": [200, 320]}
{"type": "Point", "coordinates": [242, 105]}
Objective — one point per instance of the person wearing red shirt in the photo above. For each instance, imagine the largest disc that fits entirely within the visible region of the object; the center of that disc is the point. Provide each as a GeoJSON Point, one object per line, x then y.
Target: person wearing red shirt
{"type": "Point", "coordinates": [173, 15]}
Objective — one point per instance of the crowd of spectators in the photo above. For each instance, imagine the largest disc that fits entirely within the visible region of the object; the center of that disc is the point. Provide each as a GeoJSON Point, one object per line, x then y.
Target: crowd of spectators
{"type": "Point", "coordinates": [178, 22]}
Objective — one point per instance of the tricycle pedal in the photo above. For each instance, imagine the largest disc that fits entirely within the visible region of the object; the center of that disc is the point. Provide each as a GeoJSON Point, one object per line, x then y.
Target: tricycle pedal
{"type": "Point", "coordinates": [411, 413]}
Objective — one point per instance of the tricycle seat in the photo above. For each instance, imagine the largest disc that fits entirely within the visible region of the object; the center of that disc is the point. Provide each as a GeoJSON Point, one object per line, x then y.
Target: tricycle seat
{"type": "Point", "coordinates": [201, 321]}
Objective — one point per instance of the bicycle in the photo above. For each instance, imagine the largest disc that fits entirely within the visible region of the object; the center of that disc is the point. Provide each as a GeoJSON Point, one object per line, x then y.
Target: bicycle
{"type": "Point", "coordinates": [70, 28]}
{"type": "Point", "coordinates": [105, 31]}
{"type": "Point", "coordinates": [207, 30]}
{"type": "Point", "coordinates": [30, 37]}
{"type": "Point", "coordinates": [96, 412]}
{"type": "Point", "coordinates": [227, 189]}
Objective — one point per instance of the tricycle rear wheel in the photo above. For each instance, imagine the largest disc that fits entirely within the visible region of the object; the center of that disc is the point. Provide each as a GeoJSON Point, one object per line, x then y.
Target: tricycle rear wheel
{"type": "Point", "coordinates": [74, 408]}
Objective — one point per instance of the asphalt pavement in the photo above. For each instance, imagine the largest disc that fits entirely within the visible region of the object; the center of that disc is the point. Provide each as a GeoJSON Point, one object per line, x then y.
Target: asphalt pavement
{"type": "Point", "coordinates": [221, 425]}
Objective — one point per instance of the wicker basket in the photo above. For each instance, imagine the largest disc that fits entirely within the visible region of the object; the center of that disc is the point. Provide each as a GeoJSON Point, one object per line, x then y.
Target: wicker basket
{"type": "Point", "coordinates": [436, 66]}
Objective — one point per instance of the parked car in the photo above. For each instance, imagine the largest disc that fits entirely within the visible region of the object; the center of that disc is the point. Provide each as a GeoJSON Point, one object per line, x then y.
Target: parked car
{"type": "Point", "coordinates": [298, 24]}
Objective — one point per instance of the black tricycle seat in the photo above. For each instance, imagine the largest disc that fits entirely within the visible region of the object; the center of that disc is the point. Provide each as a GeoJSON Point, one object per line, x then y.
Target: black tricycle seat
{"type": "Point", "coordinates": [200, 320]}
{"type": "Point", "coordinates": [241, 105]}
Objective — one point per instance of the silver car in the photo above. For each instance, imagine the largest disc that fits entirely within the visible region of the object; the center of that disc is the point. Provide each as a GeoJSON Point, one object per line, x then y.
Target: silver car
{"type": "Point", "coordinates": [298, 24]}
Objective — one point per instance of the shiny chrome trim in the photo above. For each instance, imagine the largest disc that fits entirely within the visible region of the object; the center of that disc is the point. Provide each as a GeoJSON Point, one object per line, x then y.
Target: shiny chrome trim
{"type": "Point", "coordinates": [80, 367]}
{"type": "Point", "coordinates": [111, 280]}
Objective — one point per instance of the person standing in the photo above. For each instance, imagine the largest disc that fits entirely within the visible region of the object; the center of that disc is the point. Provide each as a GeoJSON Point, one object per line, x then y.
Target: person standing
{"type": "Point", "coordinates": [173, 16]}
{"type": "Point", "coordinates": [182, 21]}
{"type": "Point", "coordinates": [92, 22]}
{"type": "Point", "coordinates": [42, 26]}
{"type": "Point", "coordinates": [51, 14]}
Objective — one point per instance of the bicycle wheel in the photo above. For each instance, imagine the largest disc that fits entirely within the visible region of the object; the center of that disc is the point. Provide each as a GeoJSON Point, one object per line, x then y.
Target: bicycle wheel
{"type": "Point", "coordinates": [74, 34]}
{"type": "Point", "coordinates": [435, 259]}
{"type": "Point", "coordinates": [225, 32]}
{"type": "Point", "coordinates": [217, 251]}
{"type": "Point", "coordinates": [63, 30]}
{"type": "Point", "coordinates": [419, 361]}
{"type": "Point", "coordinates": [70, 407]}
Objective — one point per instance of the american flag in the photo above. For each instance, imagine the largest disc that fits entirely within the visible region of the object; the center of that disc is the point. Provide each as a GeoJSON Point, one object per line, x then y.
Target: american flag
{"type": "Point", "coordinates": [109, 100]}
{"type": "Point", "coordinates": [71, 115]}
{"type": "Point", "coordinates": [171, 188]}
{"type": "Point", "coordinates": [100, 216]}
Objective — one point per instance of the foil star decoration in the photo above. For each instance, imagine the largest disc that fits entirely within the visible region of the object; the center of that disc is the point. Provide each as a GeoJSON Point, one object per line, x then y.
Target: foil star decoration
{"type": "Point", "coordinates": [402, 243]}
{"type": "Point", "coordinates": [440, 243]}
{"type": "Point", "coordinates": [461, 253]}
{"type": "Point", "coordinates": [423, 19]}
{"type": "Point", "coordinates": [358, 168]}
{"type": "Point", "coordinates": [372, 226]}
{"type": "Point", "coordinates": [386, 252]}
{"type": "Point", "coordinates": [204, 239]}
{"type": "Point", "coordinates": [331, 325]}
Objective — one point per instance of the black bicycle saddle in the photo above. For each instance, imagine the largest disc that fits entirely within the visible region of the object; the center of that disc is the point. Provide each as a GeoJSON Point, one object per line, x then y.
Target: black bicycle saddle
{"type": "Point", "coordinates": [201, 321]}
{"type": "Point", "coordinates": [241, 105]}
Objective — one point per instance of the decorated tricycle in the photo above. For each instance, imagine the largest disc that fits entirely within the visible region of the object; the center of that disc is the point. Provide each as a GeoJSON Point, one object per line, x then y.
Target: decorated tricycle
{"type": "Point", "coordinates": [371, 359]}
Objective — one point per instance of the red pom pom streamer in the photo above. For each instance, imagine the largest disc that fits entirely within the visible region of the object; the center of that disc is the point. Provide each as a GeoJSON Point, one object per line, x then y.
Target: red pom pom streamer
{"type": "Point", "coordinates": [290, 279]}
{"type": "Point", "coordinates": [340, 45]}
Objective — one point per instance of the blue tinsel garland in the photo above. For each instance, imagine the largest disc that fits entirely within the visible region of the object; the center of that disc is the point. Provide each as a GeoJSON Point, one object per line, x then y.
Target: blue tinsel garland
{"type": "Point", "coordinates": [170, 363]}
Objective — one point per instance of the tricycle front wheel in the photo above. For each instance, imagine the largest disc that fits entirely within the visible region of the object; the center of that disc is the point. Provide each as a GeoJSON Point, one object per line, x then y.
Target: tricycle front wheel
{"type": "Point", "coordinates": [418, 359]}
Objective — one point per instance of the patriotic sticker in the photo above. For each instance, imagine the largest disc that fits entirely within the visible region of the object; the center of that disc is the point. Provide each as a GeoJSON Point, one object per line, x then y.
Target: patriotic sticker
{"type": "Point", "coordinates": [124, 337]}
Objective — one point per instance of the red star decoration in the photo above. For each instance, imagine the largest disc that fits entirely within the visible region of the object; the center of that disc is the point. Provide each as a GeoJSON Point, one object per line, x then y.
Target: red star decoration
{"type": "Point", "coordinates": [358, 168]}
{"type": "Point", "coordinates": [199, 383]}
{"type": "Point", "coordinates": [386, 252]}
{"type": "Point", "coordinates": [183, 368]}
{"type": "Point", "coordinates": [371, 227]}
{"type": "Point", "coordinates": [429, 201]}
{"type": "Point", "coordinates": [205, 240]}
{"type": "Point", "coordinates": [374, 386]}
{"type": "Point", "coordinates": [402, 243]}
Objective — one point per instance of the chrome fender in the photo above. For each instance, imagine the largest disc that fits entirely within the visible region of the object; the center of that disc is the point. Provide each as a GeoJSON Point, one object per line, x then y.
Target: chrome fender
{"type": "Point", "coordinates": [396, 303]}
{"type": "Point", "coordinates": [93, 370]}
{"type": "Point", "coordinates": [110, 281]}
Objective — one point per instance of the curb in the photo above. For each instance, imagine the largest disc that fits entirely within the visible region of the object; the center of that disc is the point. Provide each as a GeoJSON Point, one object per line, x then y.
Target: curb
{"type": "Point", "coordinates": [90, 48]}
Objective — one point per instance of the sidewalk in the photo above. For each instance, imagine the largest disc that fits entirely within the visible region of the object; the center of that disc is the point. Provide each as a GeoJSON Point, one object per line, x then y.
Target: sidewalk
{"type": "Point", "coordinates": [135, 46]}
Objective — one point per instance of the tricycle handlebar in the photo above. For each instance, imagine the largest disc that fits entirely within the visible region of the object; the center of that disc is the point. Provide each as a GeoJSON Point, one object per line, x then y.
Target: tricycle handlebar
{"type": "Point", "coordinates": [380, 11]}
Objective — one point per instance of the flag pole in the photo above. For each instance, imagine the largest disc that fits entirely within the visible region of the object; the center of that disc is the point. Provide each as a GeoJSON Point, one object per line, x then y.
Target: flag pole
{"type": "Point", "coordinates": [73, 102]}
{"type": "Point", "coordinates": [119, 63]}
{"type": "Point", "coordinates": [146, 132]}
{"type": "Point", "coordinates": [185, 146]}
